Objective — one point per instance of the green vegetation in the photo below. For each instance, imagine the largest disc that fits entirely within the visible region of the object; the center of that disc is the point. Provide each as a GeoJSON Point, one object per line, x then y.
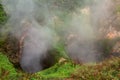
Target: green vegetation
{"type": "Point", "coordinates": [58, 71]}
{"type": "Point", "coordinates": [3, 16]}
{"type": "Point", "coordinates": [106, 70]}
{"type": "Point", "coordinates": [7, 70]}
{"type": "Point", "coordinates": [60, 49]}
{"type": "Point", "coordinates": [109, 69]}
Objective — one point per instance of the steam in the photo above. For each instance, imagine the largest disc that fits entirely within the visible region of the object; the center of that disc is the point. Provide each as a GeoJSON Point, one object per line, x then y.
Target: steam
{"type": "Point", "coordinates": [36, 21]}
{"type": "Point", "coordinates": [84, 31]}
{"type": "Point", "coordinates": [38, 38]}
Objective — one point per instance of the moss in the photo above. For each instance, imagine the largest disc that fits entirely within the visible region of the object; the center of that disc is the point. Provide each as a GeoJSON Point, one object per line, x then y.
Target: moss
{"type": "Point", "coordinates": [58, 71]}
{"type": "Point", "coordinates": [7, 71]}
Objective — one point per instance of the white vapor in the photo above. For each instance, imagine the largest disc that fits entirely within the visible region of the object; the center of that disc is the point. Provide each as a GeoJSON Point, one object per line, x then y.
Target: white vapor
{"type": "Point", "coordinates": [35, 20]}
{"type": "Point", "coordinates": [84, 31]}
{"type": "Point", "coordinates": [38, 37]}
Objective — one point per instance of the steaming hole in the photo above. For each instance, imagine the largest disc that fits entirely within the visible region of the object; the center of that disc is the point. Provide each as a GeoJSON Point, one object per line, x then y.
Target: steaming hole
{"type": "Point", "coordinates": [35, 64]}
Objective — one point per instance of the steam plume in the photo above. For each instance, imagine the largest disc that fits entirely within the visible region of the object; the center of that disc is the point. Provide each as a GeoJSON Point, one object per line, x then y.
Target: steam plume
{"type": "Point", "coordinates": [36, 20]}
{"type": "Point", "coordinates": [84, 31]}
{"type": "Point", "coordinates": [38, 38]}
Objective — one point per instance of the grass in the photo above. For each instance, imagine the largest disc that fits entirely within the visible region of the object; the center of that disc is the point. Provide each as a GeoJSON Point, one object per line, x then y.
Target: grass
{"type": "Point", "coordinates": [106, 70]}
{"type": "Point", "coordinates": [58, 71]}
{"type": "Point", "coordinates": [7, 71]}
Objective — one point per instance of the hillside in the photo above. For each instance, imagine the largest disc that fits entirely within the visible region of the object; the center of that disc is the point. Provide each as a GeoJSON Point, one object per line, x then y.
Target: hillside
{"type": "Point", "coordinates": [59, 40]}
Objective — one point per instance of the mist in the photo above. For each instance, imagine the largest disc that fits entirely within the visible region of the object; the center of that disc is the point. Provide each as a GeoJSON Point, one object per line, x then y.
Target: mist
{"type": "Point", "coordinates": [25, 27]}
{"type": "Point", "coordinates": [33, 23]}
{"type": "Point", "coordinates": [85, 31]}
